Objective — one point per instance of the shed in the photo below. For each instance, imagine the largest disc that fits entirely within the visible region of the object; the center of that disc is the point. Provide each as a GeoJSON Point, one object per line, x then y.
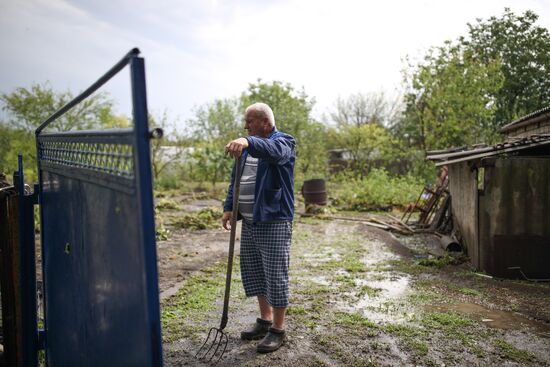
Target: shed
{"type": "Point", "coordinates": [501, 199]}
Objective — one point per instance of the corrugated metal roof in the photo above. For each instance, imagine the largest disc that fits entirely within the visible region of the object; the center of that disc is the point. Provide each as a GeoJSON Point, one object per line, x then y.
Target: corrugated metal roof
{"type": "Point", "coordinates": [498, 149]}
{"type": "Point", "coordinates": [525, 119]}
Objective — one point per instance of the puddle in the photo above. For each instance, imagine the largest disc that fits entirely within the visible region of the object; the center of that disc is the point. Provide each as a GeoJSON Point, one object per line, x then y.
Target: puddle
{"type": "Point", "coordinates": [376, 255]}
{"type": "Point", "coordinates": [494, 318]}
{"type": "Point", "coordinates": [387, 301]}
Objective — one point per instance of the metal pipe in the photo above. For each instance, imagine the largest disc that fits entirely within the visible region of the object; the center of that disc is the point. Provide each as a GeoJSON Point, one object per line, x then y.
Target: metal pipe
{"type": "Point", "coordinates": [450, 244]}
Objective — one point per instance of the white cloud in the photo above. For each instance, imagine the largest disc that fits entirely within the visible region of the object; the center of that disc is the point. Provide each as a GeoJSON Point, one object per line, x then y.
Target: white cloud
{"type": "Point", "coordinates": [196, 51]}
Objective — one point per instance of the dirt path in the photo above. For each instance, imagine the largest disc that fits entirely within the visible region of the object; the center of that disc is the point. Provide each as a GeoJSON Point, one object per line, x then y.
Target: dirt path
{"type": "Point", "coordinates": [359, 298]}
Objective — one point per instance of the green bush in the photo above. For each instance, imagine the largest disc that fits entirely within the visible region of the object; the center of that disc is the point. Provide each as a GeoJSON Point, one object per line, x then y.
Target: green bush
{"type": "Point", "coordinates": [167, 182]}
{"type": "Point", "coordinates": [378, 190]}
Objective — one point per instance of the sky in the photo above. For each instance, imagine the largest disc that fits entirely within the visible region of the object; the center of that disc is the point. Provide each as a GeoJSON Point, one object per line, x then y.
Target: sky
{"type": "Point", "coordinates": [197, 51]}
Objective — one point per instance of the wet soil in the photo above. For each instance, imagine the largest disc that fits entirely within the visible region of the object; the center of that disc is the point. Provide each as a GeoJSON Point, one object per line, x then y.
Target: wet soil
{"type": "Point", "coordinates": [360, 297]}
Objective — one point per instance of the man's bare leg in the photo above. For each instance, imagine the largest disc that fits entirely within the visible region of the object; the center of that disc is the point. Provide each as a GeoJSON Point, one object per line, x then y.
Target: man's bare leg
{"type": "Point", "coordinates": [276, 334]}
{"type": "Point", "coordinates": [275, 314]}
{"type": "Point", "coordinates": [279, 317]}
{"type": "Point", "coordinates": [266, 312]}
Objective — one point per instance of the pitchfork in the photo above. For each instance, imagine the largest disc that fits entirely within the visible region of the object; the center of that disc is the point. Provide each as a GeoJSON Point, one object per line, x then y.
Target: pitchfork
{"type": "Point", "coordinates": [218, 345]}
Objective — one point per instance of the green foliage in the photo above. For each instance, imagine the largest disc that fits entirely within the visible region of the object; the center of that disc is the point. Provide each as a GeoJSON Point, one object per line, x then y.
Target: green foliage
{"type": "Point", "coordinates": [508, 351]}
{"type": "Point", "coordinates": [167, 182]}
{"type": "Point", "coordinates": [470, 292]}
{"type": "Point", "coordinates": [451, 99]}
{"type": "Point", "coordinates": [462, 92]}
{"type": "Point", "coordinates": [376, 190]}
{"type": "Point", "coordinates": [12, 143]}
{"type": "Point", "coordinates": [196, 298]}
{"type": "Point", "coordinates": [522, 49]}
{"type": "Point", "coordinates": [367, 144]}
{"type": "Point", "coordinates": [445, 320]}
{"type": "Point", "coordinates": [212, 127]}
{"type": "Point", "coordinates": [166, 203]}
{"type": "Point", "coordinates": [441, 261]}
{"type": "Point", "coordinates": [354, 320]}
{"type": "Point", "coordinates": [208, 163]}
{"type": "Point", "coordinates": [217, 122]}
{"type": "Point", "coordinates": [161, 158]}
{"type": "Point", "coordinates": [28, 108]}
{"type": "Point", "coordinates": [292, 110]}
{"type": "Point", "coordinates": [204, 219]}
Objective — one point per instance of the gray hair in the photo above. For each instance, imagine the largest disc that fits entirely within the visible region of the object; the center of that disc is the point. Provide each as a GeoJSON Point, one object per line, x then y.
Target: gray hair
{"type": "Point", "coordinates": [264, 110]}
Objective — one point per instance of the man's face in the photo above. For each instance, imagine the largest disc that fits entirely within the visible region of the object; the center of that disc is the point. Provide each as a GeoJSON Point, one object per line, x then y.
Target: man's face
{"type": "Point", "coordinates": [254, 124]}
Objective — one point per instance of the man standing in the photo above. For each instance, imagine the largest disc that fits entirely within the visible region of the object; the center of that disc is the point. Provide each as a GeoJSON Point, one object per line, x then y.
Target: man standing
{"type": "Point", "coordinates": [266, 206]}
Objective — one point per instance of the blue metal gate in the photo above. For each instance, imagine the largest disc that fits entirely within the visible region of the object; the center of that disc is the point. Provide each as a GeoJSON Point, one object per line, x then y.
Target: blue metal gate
{"type": "Point", "coordinates": [100, 277]}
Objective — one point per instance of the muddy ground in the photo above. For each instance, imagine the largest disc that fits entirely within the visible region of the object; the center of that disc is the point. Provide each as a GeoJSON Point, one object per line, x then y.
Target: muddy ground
{"type": "Point", "coordinates": [360, 297]}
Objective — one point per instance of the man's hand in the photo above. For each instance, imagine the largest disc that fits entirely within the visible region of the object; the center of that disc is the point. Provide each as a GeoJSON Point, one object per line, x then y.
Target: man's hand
{"type": "Point", "coordinates": [227, 219]}
{"type": "Point", "coordinates": [235, 147]}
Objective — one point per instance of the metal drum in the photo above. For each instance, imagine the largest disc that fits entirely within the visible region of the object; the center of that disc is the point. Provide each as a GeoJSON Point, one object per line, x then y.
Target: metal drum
{"type": "Point", "coordinates": [315, 192]}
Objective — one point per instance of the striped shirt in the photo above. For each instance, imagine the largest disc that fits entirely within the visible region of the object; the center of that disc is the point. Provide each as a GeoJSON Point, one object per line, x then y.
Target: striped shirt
{"type": "Point", "coordinates": [248, 185]}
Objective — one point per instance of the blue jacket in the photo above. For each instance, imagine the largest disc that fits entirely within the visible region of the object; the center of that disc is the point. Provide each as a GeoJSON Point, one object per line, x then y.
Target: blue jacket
{"type": "Point", "coordinates": [274, 193]}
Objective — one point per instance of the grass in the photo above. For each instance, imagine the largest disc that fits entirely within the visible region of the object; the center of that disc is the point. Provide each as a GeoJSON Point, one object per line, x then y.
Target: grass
{"type": "Point", "coordinates": [348, 263]}
{"type": "Point", "coordinates": [445, 320]}
{"type": "Point", "coordinates": [412, 337]}
{"type": "Point", "coordinates": [470, 292]}
{"type": "Point", "coordinates": [353, 320]}
{"type": "Point", "coordinates": [441, 261]}
{"type": "Point", "coordinates": [369, 291]}
{"type": "Point", "coordinates": [193, 301]}
{"type": "Point", "coordinates": [508, 351]}
{"type": "Point", "coordinates": [401, 266]}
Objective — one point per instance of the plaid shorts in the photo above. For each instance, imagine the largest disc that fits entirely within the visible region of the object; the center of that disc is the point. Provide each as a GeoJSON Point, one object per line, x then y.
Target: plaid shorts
{"type": "Point", "coordinates": [265, 254]}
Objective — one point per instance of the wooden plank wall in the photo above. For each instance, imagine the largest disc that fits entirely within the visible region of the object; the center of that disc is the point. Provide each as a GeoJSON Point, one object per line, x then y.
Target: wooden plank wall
{"type": "Point", "coordinates": [463, 189]}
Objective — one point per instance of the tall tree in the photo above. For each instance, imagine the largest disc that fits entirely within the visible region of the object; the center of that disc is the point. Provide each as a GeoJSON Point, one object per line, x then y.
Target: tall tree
{"type": "Point", "coordinates": [168, 149]}
{"type": "Point", "coordinates": [463, 92]}
{"type": "Point", "coordinates": [211, 127]}
{"type": "Point", "coordinates": [366, 144]}
{"type": "Point", "coordinates": [362, 108]}
{"type": "Point", "coordinates": [217, 122]}
{"type": "Point", "coordinates": [12, 143]}
{"type": "Point", "coordinates": [522, 49]}
{"type": "Point", "coordinates": [292, 110]}
{"type": "Point", "coordinates": [451, 100]}
{"type": "Point", "coordinates": [28, 108]}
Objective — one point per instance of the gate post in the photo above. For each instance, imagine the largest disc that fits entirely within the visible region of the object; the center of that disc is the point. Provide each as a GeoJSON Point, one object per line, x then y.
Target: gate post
{"type": "Point", "coordinates": [144, 184]}
{"type": "Point", "coordinates": [18, 275]}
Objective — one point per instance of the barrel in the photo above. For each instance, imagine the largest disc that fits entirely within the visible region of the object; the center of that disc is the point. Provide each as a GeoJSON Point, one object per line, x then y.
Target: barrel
{"type": "Point", "coordinates": [315, 192]}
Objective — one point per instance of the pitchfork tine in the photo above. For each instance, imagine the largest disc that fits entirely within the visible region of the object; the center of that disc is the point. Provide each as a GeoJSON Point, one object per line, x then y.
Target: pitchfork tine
{"type": "Point", "coordinates": [198, 355]}
{"type": "Point", "coordinates": [220, 338]}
